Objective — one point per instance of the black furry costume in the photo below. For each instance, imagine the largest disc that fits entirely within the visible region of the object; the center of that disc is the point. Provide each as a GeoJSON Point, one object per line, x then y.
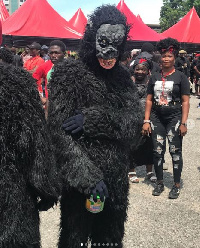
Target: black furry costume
{"type": "Point", "coordinates": [25, 171]}
{"type": "Point", "coordinates": [6, 55]}
{"type": "Point", "coordinates": [110, 105]}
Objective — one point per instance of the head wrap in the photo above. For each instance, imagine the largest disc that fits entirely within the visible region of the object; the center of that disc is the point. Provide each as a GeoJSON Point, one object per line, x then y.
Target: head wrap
{"type": "Point", "coordinates": [170, 49]}
{"type": "Point", "coordinates": [168, 45]}
{"type": "Point", "coordinates": [144, 58]}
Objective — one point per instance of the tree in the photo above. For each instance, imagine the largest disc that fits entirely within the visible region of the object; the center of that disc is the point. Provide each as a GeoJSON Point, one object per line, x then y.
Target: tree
{"type": "Point", "coordinates": [195, 3]}
{"type": "Point", "coordinates": [173, 10]}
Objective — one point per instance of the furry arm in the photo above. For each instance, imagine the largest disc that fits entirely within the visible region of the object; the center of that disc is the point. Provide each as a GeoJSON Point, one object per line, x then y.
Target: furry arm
{"type": "Point", "coordinates": [74, 164]}
{"type": "Point", "coordinates": [72, 87]}
{"type": "Point", "coordinates": [34, 159]}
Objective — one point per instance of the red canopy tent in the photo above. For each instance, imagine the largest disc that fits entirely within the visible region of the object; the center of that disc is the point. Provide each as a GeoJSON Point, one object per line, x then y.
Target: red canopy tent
{"type": "Point", "coordinates": [38, 18]}
{"type": "Point", "coordinates": [79, 21]}
{"type": "Point", "coordinates": [187, 29]}
{"type": "Point", "coordinates": [139, 31]}
{"type": "Point", "coordinates": [0, 33]}
{"type": "Point", "coordinates": [3, 11]}
{"type": "Point", "coordinates": [139, 18]}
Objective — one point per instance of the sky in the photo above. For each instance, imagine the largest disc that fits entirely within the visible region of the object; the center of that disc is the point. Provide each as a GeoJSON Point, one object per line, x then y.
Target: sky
{"type": "Point", "coordinates": [149, 10]}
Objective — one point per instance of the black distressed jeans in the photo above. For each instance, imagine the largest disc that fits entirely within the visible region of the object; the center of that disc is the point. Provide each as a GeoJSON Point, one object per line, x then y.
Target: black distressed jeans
{"type": "Point", "coordinates": [165, 123]}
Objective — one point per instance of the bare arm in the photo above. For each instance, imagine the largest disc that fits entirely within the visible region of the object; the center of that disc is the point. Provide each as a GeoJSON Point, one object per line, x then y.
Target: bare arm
{"type": "Point", "coordinates": [185, 111]}
{"type": "Point", "coordinates": [148, 106]}
{"type": "Point", "coordinates": [185, 107]}
{"type": "Point", "coordinates": [146, 126]}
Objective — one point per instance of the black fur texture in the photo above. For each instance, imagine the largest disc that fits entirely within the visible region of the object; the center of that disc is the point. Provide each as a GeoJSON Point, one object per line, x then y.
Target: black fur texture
{"type": "Point", "coordinates": [6, 55]}
{"type": "Point", "coordinates": [26, 162]}
{"type": "Point", "coordinates": [112, 120]}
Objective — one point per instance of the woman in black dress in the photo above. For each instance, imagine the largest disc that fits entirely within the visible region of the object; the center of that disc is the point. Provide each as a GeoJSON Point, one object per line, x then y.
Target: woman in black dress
{"type": "Point", "coordinates": [143, 155]}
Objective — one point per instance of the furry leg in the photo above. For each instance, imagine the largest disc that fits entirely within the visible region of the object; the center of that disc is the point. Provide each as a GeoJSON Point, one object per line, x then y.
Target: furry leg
{"type": "Point", "coordinates": [75, 221]}
{"type": "Point", "coordinates": [33, 246]}
{"type": "Point", "coordinates": [108, 227]}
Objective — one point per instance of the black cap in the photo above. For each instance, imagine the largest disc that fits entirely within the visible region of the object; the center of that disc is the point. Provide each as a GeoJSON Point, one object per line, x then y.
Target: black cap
{"type": "Point", "coordinates": [147, 47]}
{"type": "Point", "coordinates": [44, 47]}
{"type": "Point", "coordinates": [35, 45]}
{"type": "Point", "coordinates": [145, 55]}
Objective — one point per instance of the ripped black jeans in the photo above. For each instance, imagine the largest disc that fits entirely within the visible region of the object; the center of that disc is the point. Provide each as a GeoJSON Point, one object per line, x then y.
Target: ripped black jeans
{"type": "Point", "coordinates": [165, 123]}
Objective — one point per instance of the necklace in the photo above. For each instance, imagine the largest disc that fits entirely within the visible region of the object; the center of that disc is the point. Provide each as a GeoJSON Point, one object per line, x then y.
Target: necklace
{"type": "Point", "coordinates": [164, 78]}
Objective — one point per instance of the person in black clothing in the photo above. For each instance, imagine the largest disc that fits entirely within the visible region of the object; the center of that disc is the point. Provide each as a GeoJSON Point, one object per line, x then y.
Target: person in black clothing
{"type": "Point", "coordinates": [182, 64]}
{"type": "Point", "coordinates": [168, 105]}
{"type": "Point", "coordinates": [143, 155]}
{"type": "Point", "coordinates": [44, 53]}
{"type": "Point", "coordinates": [126, 59]}
{"type": "Point", "coordinates": [17, 59]}
{"type": "Point", "coordinates": [196, 69]}
{"type": "Point", "coordinates": [149, 48]}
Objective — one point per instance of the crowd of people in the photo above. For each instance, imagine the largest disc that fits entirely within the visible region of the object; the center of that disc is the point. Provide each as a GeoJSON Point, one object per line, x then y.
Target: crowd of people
{"type": "Point", "coordinates": [78, 128]}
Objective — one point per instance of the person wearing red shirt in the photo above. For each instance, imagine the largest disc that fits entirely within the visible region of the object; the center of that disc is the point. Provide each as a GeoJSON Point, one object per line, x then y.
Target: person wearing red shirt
{"type": "Point", "coordinates": [56, 53]}
{"type": "Point", "coordinates": [41, 74]}
{"type": "Point", "coordinates": [35, 61]}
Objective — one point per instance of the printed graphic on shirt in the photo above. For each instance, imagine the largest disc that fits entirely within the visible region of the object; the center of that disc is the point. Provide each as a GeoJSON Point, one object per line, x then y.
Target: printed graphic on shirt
{"type": "Point", "coordinates": [163, 92]}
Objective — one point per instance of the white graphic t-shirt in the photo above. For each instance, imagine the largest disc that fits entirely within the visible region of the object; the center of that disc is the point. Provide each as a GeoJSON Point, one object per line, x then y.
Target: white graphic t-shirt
{"type": "Point", "coordinates": [163, 92]}
{"type": "Point", "coordinates": [171, 91]}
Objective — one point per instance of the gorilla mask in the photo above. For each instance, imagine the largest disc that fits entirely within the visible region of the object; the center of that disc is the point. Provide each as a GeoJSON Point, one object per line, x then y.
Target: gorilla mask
{"type": "Point", "coordinates": [104, 40]}
{"type": "Point", "coordinates": [108, 38]}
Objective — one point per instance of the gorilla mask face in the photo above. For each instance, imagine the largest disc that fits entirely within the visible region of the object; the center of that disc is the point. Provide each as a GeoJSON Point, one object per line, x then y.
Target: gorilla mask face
{"type": "Point", "coordinates": [108, 39]}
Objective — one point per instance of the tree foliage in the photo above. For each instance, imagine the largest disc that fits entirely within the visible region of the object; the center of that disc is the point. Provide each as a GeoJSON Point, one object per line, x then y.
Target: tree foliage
{"type": "Point", "coordinates": [173, 10]}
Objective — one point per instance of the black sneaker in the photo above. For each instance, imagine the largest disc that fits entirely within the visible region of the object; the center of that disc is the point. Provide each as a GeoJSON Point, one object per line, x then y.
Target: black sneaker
{"type": "Point", "coordinates": [158, 189]}
{"type": "Point", "coordinates": [174, 193]}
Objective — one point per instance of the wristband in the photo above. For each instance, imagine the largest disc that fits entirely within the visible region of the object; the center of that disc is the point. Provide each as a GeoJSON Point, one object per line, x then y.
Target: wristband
{"type": "Point", "coordinates": [184, 124]}
{"type": "Point", "coordinates": [146, 121]}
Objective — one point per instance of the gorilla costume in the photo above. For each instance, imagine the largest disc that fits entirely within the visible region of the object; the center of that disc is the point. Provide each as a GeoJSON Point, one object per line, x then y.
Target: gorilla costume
{"type": "Point", "coordinates": [102, 91]}
{"type": "Point", "coordinates": [26, 162]}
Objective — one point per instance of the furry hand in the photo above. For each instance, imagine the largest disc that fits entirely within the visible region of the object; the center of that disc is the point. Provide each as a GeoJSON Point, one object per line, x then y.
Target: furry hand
{"type": "Point", "coordinates": [44, 204]}
{"type": "Point", "coordinates": [74, 124]}
{"type": "Point", "coordinates": [101, 189]}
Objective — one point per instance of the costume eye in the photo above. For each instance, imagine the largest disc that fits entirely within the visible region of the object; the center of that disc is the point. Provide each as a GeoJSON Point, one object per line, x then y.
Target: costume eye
{"type": "Point", "coordinates": [103, 43]}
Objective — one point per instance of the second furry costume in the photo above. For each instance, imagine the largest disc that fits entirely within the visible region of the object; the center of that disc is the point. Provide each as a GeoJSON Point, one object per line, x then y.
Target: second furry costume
{"type": "Point", "coordinates": [26, 162]}
{"type": "Point", "coordinates": [102, 90]}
